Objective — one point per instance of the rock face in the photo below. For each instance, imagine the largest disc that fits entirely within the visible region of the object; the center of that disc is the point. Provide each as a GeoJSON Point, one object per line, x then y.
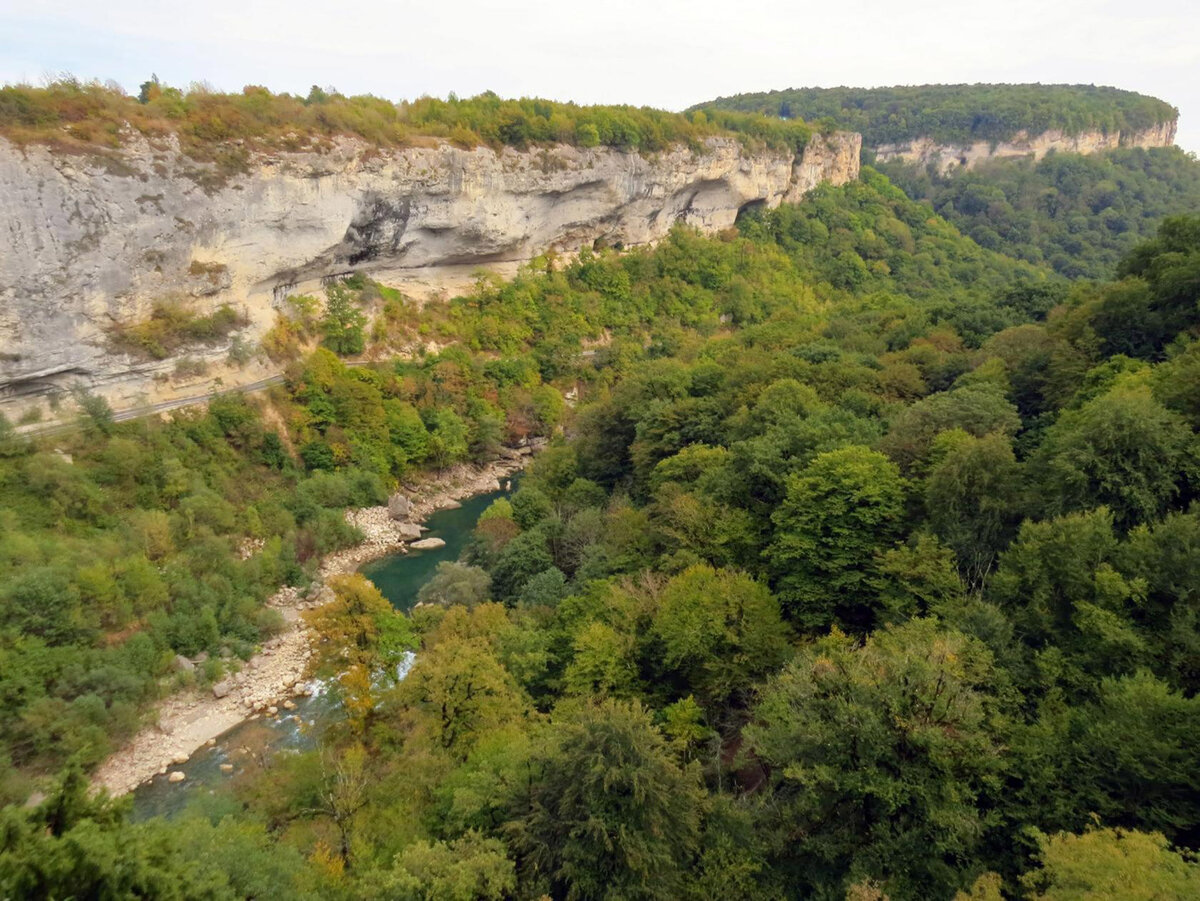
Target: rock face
{"type": "Point", "coordinates": [94, 241]}
{"type": "Point", "coordinates": [949, 156]}
{"type": "Point", "coordinates": [399, 507]}
{"type": "Point", "coordinates": [407, 531]}
{"type": "Point", "coordinates": [427, 544]}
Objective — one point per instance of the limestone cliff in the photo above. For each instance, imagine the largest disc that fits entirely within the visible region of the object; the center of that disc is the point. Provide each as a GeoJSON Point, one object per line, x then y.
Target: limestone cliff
{"type": "Point", "coordinates": [946, 157]}
{"type": "Point", "coordinates": [94, 241]}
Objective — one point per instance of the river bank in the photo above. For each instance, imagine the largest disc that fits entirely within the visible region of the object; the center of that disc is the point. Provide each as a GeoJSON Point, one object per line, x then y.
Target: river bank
{"type": "Point", "coordinates": [266, 684]}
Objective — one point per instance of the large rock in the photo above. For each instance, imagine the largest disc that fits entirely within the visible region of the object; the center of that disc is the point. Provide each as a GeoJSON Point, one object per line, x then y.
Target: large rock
{"type": "Point", "coordinates": [399, 507]}
{"type": "Point", "coordinates": [176, 777]}
{"type": "Point", "coordinates": [408, 531]}
{"type": "Point", "coordinates": [427, 544]}
{"type": "Point", "coordinates": [93, 240]}
{"type": "Point", "coordinates": [182, 664]}
{"type": "Point", "coordinates": [222, 688]}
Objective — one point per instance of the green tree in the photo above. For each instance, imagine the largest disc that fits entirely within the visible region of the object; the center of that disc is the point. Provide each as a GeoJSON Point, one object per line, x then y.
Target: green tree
{"type": "Point", "coordinates": [840, 511]}
{"type": "Point", "coordinates": [881, 755]}
{"type": "Point", "coordinates": [1111, 863]}
{"type": "Point", "coordinates": [972, 499]}
{"type": "Point", "coordinates": [469, 868]}
{"type": "Point", "coordinates": [1058, 583]}
{"type": "Point", "coordinates": [612, 814]}
{"type": "Point", "coordinates": [1134, 753]}
{"type": "Point", "coordinates": [1122, 450]}
{"type": "Point", "coordinates": [978, 410]}
{"type": "Point", "coordinates": [456, 583]}
{"type": "Point", "coordinates": [518, 561]}
{"type": "Point", "coordinates": [94, 407]}
{"type": "Point", "coordinates": [455, 693]}
{"type": "Point", "coordinates": [343, 322]}
{"type": "Point", "coordinates": [720, 632]}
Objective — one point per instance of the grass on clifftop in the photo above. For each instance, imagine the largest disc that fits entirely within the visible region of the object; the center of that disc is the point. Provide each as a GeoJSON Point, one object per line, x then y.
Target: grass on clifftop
{"type": "Point", "coordinates": [75, 114]}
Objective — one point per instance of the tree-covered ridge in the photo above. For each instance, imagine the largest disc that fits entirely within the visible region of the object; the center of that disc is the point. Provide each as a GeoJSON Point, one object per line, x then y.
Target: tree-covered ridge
{"type": "Point", "coordinates": [1078, 214]}
{"type": "Point", "coordinates": [864, 569]}
{"type": "Point", "coordinates": [75, 113]}
{"type": "Point", "coordinates": [960, 113]}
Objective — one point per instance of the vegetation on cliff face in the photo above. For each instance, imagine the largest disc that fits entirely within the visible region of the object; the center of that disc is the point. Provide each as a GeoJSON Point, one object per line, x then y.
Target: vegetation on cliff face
{"type": "Point", "coordinates": [959, 113]}
{"type": "Point", "coordinates": [211, 125]}
{"type": "Point", "coordinates": [171, 326]}
{"type": "Point", "coordinates": [865, 568]}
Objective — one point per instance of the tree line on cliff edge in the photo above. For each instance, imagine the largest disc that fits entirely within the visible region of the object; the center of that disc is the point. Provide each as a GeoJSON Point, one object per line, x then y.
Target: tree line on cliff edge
{"type": "Point", "coordinates": [962, 113]}
{"type": "Point", "coordinates": [217, 126]}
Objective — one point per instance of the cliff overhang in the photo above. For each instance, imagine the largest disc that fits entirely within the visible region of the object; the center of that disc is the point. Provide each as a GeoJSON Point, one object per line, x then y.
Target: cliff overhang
{"type": "Point", "coordinates": [94, 242]}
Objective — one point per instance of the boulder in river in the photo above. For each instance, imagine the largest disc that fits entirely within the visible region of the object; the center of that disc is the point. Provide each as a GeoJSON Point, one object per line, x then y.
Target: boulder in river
{"type": "Point", "coordinates": [408, 531]}
{"type": "Point", "coordinates": [176, 777]}
{"type": "Point", "coordinates": [427, 544]}
{"type": "Point", "coordinates": [399, 506]}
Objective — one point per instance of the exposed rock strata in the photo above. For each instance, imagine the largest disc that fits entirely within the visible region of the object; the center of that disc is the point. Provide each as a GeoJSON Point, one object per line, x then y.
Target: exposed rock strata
{"type": "Point", "coordinates": [95, 241]}
{"type": "Point", "coordinates": [949, 156]}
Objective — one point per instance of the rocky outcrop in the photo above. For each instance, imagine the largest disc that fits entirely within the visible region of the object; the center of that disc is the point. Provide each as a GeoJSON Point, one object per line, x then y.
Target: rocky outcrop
{"type": "Point", "coordinates": [946, 157]}
{"type": "Point", "coordinates": [94, 241]}
{"type": "Point", "coordinates": [832, 159]}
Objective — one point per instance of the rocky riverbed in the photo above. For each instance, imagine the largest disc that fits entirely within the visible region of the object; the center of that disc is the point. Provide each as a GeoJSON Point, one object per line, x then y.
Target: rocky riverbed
{"type": "Point", "coordinates": [266, 683]}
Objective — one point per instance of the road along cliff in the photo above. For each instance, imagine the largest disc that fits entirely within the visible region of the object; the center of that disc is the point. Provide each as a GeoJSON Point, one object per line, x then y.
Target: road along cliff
{"type": "Point", "coordinates": [93, 241]}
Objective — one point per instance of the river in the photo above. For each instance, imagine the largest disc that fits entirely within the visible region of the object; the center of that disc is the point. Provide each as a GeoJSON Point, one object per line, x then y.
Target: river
{"type": "Point", "coordinates": [399, 577]}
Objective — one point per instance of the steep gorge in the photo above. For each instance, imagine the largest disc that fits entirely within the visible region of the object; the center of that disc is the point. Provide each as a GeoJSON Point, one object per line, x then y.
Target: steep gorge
{"type": "Point", "coordinates": [94, 241]}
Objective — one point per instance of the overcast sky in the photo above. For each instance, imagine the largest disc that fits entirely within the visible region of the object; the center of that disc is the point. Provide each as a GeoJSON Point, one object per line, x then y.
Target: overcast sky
{"type": "Point", "coordinates": [655, 52]}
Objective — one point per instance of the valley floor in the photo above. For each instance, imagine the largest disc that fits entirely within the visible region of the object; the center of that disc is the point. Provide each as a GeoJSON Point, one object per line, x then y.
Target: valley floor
{"type": "Point", "coordinates": [186, 721]}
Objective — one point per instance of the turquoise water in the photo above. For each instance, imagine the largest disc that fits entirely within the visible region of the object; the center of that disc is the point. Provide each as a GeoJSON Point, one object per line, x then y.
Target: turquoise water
{"type": "Point", "coordinates": [255, 739]}
{"type": "Point", "coordinates": [399, 578]}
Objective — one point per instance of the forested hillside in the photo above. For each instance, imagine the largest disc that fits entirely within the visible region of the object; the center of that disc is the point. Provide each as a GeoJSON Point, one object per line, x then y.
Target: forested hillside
{"type": "Point", "coordinates": [1078, 214]}
{"type": "Point", "coordinates": [864, 567]}
{"type": "Point", "coordinates": [959, 113]}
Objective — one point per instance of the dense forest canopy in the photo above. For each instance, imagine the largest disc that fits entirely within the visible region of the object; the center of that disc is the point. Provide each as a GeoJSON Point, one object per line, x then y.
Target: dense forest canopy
{"type": "Point", "coordinates": [959, 113]}
{"type": "Point", "coordinates": [74, 113]}
{"type": "Point", "coordinates": [863, 567]}
{"type": "Point", "coordinates": [1077, 213]}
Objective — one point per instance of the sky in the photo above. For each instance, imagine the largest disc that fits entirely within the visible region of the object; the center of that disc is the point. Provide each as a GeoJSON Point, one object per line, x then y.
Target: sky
{"type": "Point", "coordinates": [660, 53]}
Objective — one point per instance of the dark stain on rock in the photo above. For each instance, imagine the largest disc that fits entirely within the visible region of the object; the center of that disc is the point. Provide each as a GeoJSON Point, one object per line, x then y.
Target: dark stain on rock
{"type": "Point", "coordinates": [377, 229]}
